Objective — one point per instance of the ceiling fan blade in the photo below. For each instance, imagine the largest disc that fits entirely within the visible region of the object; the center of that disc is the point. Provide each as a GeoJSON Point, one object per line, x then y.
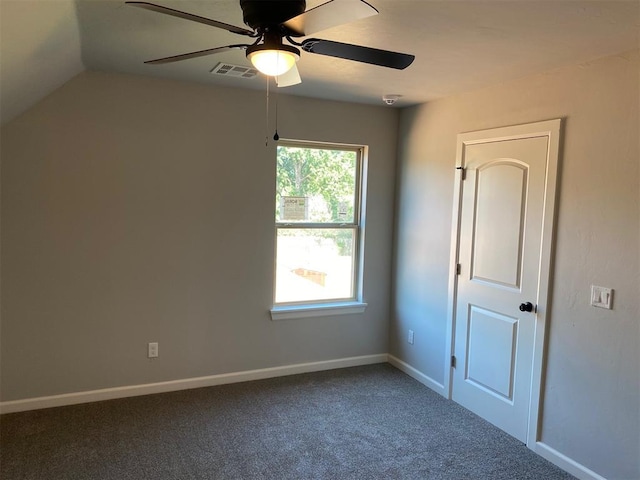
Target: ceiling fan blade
{"type": "Point", "coordinates": [194, 18]}
{"type": "Point", "coordinates": [327, 15]}
{"type": "Point", "coordinates": [383, 58]}
{"type": "Point", "coordinates": [199, 53]}
{"type": "Point", "coordinates": [289, 78]}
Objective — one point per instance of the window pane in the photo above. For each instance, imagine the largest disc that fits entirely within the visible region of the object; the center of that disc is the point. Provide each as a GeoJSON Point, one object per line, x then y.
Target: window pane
{"type": "Point", "coordinates": [314, 264]}
{"type": "Point", "coordinates": [315, 185]}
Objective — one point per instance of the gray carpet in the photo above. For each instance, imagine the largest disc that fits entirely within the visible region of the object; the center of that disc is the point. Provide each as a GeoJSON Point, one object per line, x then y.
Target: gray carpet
{"type": "Point", "coordinates": [370, 422]}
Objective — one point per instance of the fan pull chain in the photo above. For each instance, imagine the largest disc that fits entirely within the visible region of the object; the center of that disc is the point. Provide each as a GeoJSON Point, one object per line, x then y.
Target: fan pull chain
{"type": "Point", "coordinates": [266, 124]}
{"type": "Point", "coordinates": [276, 137]}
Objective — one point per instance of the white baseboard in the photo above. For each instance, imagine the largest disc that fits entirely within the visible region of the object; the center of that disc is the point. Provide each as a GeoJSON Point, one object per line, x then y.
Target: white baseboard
{"type": "Point", "coordinates": [418, 375]}
{"type": "Point", "coordinates": [565, 463]}
{"type": "Point", "coordinates": [184, 384]}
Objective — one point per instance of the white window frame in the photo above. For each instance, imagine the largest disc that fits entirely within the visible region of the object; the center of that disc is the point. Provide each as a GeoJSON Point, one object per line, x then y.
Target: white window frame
{"type": "Point", "coordinates": [355, 304]}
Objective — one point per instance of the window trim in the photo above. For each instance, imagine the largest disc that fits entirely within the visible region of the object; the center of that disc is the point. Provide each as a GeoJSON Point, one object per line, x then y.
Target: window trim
{"type": "Point", "coordinates": [289, 311]}
{"type": "Point", "coordinates": [354, 304]}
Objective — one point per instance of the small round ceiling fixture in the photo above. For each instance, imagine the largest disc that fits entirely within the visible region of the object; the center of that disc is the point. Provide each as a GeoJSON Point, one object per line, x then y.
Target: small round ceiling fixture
{"type": "Point", "coordinates": [390, 99]}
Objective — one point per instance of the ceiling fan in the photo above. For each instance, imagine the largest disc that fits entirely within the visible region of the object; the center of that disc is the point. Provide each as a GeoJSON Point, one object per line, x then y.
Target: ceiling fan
{"type": "Point", "coordinates": [272, 21]}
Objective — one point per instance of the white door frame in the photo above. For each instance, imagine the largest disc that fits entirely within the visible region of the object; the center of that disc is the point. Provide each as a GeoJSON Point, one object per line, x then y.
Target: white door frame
{"type": "Point", "coordinates": [551, 130]}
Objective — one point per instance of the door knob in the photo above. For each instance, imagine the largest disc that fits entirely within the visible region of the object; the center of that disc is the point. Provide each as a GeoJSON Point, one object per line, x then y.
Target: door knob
{"type": "Point", "coordinates": [526, 307]}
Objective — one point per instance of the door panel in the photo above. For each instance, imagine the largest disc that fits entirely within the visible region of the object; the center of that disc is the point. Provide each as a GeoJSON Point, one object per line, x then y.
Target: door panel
{"type": "Point", "coordinates": [500, 246]}
{"type": "Point", "coordinates": [497, 231]}
{"type": "Point", "coordinates": [491, 347]}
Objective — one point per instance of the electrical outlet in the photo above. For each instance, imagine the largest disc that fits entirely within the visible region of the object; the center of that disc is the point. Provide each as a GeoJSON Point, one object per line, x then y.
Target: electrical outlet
{"type": "Point", "coordinates": [152, 350]}
{"type": "Point", "coordinates": [601, 297]}
{"type": "Point", "coordinates": [410, 337]}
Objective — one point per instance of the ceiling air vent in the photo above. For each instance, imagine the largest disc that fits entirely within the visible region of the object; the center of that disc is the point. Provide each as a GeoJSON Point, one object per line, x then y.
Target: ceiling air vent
{"type": "Point", "coordinates": [229, 70]}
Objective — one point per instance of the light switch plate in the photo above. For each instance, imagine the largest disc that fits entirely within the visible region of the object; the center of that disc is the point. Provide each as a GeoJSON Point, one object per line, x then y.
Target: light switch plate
{"type": "Point", "coordinates": [601, 297]}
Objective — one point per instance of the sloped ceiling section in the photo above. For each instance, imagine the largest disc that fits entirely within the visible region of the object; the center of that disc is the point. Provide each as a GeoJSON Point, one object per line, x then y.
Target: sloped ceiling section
{"type": "Point", "coordinates": [40, 51]}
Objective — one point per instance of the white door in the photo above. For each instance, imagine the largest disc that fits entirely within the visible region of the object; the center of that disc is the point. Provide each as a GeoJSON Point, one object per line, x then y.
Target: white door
{"type": "Point", "coordinates": [502, 217]}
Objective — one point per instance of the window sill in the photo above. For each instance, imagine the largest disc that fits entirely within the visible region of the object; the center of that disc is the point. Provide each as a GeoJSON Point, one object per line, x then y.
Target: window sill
{"type": "Point", "coordinates": [289, 312]}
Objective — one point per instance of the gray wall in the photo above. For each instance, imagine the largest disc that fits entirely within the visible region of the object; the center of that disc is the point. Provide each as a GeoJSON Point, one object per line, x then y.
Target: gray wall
{"type": "Point", "coordinates": [138, 210]}
{"type": "Point", "coordinates": [592, 400]}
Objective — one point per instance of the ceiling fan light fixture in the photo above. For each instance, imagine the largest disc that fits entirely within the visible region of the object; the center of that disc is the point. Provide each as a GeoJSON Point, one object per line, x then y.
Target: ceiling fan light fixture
{"type": "Point", "coordinates": [273, 61]}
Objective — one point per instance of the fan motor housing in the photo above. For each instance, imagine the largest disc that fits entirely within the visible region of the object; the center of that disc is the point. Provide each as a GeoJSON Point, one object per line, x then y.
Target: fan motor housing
{"type": "Point", "coordinates": [261, 14]}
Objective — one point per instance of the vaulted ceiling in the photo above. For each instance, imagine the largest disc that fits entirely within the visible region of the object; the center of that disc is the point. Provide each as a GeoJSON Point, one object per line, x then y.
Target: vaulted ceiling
{"type": "Point", "coordinates": [459, 45]}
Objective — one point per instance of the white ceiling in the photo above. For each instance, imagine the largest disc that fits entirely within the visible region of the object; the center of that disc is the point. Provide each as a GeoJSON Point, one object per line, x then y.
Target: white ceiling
{"type": "Point", "coordinates": [459, 45]}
